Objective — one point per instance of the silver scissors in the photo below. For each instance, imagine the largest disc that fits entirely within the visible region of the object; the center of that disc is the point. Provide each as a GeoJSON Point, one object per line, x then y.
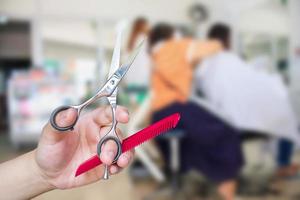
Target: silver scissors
{"type": "Point", "coordinates": [109, 90]}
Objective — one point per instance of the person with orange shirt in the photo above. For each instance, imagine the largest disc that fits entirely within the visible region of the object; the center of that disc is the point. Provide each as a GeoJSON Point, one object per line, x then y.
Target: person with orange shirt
{"type": "Point", "coordinates": [210, 145]}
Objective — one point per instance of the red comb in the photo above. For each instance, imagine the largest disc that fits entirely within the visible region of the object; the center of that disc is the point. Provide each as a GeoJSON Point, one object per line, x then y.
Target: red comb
{"type": "Point", "coordinates": [134, 140]}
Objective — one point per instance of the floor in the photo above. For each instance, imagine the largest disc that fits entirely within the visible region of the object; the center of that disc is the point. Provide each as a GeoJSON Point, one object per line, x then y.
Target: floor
{"type": "Point", "coordinates": [120, 187]}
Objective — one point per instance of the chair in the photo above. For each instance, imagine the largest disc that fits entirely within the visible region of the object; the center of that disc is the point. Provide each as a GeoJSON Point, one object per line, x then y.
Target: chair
{"type": "Point", "coordinates": [173, 137]}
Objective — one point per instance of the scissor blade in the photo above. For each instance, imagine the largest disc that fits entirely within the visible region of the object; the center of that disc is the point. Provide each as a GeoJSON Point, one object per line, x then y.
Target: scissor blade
{"type": "Point", "coordinates": [120, 73]}
{"type": "Point", "coordinates": [115, 61]}
{"type": "Point", "coordinates": [114, 80]}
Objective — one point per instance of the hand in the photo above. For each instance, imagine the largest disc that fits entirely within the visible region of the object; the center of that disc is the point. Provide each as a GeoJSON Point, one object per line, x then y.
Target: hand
{"type": "Point", "coordinates": [60, 153]}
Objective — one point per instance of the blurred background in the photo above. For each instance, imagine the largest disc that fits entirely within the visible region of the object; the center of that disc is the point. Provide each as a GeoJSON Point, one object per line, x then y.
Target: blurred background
{"type": "Point", "coordinates": [56, 52]}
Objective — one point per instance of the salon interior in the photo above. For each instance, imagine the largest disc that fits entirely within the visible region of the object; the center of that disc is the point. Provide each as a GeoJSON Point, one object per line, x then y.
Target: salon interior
{"type": "Point", "coordinates": [55, 52]}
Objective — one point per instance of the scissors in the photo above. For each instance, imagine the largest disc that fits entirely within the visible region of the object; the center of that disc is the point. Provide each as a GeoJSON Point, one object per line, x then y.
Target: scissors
{"type": "Point", "coordinates": [109, 90]}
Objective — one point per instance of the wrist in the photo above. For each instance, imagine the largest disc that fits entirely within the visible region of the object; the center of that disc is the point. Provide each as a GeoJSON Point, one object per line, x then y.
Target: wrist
{"type": "Point", "coordinates": [23, 175]}
{"type": "Point", "coordinates": [40, 177]}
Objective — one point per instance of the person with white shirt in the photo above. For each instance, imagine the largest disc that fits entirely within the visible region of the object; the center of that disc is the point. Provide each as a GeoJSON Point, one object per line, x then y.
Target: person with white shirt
{"type": "Point", "coordinates": [253, 101]}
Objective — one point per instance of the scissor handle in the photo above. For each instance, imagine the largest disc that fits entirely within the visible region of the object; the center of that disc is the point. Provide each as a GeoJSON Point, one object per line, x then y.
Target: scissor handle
{"type": "Point", "coordinates": [116, 140]}
{"type": "Point", "coordinates": [55, 113]}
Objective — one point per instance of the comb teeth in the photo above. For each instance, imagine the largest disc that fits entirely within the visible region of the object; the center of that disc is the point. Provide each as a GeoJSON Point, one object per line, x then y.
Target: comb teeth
{"type": "Point", "coordinates": [134, 140]}
{"type": "Point", "coordinates": [150, 132]}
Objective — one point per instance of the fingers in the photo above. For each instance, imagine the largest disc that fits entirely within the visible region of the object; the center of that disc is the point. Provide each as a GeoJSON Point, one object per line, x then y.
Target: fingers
{"type": "Point", "coordinates": [125, 159]}
{"type": "Point", "coordinates": [64, 118]}
{"type": "Point", "coordinates": [108, 152]}
{"type": "Point", "coordinates": [103, 116]}
{"type": "Point", "coordinates": [114, 169]}
{"type": "Point", "coordinates": [123, 162]}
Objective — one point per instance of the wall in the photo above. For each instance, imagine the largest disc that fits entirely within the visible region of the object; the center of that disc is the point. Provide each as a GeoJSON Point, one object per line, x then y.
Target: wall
{"type": "Point", "coordinates": [295, 58]}
{"type": "Point", "coordinates": [174, 10]}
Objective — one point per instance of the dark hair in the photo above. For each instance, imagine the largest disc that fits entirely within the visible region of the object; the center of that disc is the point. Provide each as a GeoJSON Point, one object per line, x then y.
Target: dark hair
{"type": "Point", "coordinates": [160, 32]}
{"type": "Point", "coordinates": [137, 28]}
{"type": "Point", "coordinates": [220, 32]}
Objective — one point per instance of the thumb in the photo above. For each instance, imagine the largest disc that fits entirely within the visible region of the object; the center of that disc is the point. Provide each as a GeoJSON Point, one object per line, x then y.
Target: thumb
{"type": "Point", "coordinates": [66, 117]}
{"type": "Point", "coordinates": [62, 119]}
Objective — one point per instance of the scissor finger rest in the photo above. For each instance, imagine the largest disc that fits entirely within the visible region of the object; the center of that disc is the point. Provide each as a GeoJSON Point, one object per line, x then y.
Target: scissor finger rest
{"type": "Point", "coordinates": [53, 120]}
{"type": "Point", "coordinates": [106, 139]}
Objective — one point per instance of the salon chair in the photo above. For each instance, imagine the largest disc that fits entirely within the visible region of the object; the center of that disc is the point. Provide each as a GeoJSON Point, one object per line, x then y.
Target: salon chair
{"type": "Point", "coordinates": [172, 190]}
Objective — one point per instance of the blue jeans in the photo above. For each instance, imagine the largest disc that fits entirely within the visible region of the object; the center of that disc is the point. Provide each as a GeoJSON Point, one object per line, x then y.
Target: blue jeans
{"type": "Point", "coordinates": [285, 151]}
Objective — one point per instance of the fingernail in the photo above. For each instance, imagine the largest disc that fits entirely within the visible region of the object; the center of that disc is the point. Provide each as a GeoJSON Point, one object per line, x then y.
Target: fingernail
{"type": "Point", "coordinates": [127, 111]}
{"type": "Point", "coordinates": [64, 115]}
{"type": "Point", "coordinates": [114, 170]}
{"type": "Point", "coordinates": [125, 159]}
{"type": "Point", "coordinates": [69, 111]}
{"type": "Point", "coordinates": [67, 115]}
{"type": "Point", "coordinates": [110, 154]}
{"type": "Point", "coordinates": [125, 114]}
